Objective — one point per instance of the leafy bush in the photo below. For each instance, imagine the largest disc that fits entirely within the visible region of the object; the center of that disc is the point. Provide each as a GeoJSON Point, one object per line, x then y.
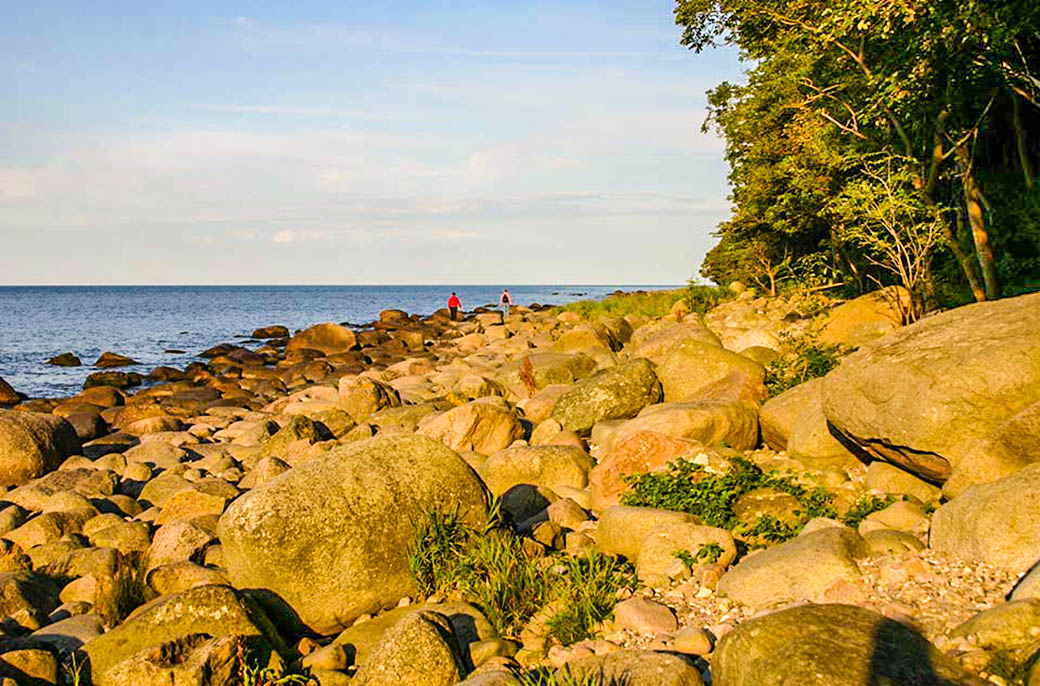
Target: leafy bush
{"type": "Point", "coordinates": [688, 487]}
{"type": "Point", "coordinates": [491, 569]}
{"type": "Point", "coordinates": [864, 507]}
{"type": "Point", "coordinates": [700, 299]}
{"type": "Point", "coordinates": [646, 303]}
{"type": "Point", "coordinates": [803, 358]}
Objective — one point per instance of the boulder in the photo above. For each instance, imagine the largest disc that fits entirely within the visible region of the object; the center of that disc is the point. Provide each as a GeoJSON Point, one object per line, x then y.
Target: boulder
{"type": "Point", "coordinates": [831, 645]}
{"type": "Point", "coordinates": [1005, 627]}
{"type": "Point", "coordinates": [114, 379]}
{"type": "Point", "coordinates": [328, 338]}
{"type": "Point", "coordinates": [922, 396]}
{"type": "Point", "coordinates": [633, 668]}
{"type": "Point", "coordinates": [780, 414]}
{"type": "Point", "coordinates": [643, 616]}
{"type": "Point", "coordinates": [8, 396]}
{"type": "Point", "coordinates": [622, 530]}
{"type": "Point", "coordinates": [656, 560]}
{"type": "Point", "coordinates": [655, 341]}
{"type": "Point", "coordinates": [614, 393]}
{"type": "Point", "coordinates": [997, 523]}
{"type": "Point", "coordinates": [813, 443]}
{"type": "Point", "coordinates": [486, 425]}
{"type": "Point", "coordinates": [866, 318]}
{"type": "Point", "coordinates": [65, 360]}
{"type": "Point", "coordinates": [695, 370]}
{"type": "Point", "coordinates": [468, 626]}
{"type": "Point", "coordinates": [637, 453]}
{"type": "Point", "coordinates": [32, 444]}
{"type": "Point", "coordinates": [362, 396]}
{"type": "Point", "coordinates": [1009, 447]}
{"type": "Point", "coordinates": [546, 369]}
{"type": "Point", "coordinates": [420, 650]}
{"type": "Point", "coordinates": [551, 466]}
{"type": "Point", "coordinates": [212, 611]}
{"type": "Point", "coordinates": [710, 422]}
{"type": "Point", "coordinates": [796, 571]}
{"type": "Point", "coordinates": [110, 359]}
{"type": "Point", "coordinates": [886, 478]}
{"type": "Point", "coordinates": [330, 537]}
{"type": "Point", "coordinates": [273, 331]}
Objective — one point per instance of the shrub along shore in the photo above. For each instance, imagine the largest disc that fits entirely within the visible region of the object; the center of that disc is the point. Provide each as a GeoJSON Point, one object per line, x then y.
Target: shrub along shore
{"type": "Point", "coordinates": [670, 488]}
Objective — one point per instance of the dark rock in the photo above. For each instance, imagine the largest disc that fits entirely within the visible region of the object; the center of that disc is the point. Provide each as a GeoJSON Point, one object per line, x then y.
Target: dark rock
{"type": "Point", "coordinates": [65, 360]}
{"type": "Point", "coordinates": [110, 359]}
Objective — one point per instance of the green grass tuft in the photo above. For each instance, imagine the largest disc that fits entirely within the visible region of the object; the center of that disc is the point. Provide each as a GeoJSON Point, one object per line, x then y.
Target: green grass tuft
{"type": "Point", "coordinates": [491, 569]}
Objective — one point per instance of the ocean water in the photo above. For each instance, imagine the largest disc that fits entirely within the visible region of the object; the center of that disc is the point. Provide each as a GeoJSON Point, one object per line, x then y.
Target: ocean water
{"type": "Point", "coordinates": [39, 322]}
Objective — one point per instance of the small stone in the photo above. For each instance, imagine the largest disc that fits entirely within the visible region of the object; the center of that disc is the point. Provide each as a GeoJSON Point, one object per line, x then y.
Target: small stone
{"type": "Point", "coordinates": [692, 641]}
{"type": "Point", "coordinates": [644, 617]}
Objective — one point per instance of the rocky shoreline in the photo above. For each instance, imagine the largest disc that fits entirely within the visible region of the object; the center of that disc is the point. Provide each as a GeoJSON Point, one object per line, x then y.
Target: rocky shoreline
{"type": "Point", "coordinates": [259, 516]}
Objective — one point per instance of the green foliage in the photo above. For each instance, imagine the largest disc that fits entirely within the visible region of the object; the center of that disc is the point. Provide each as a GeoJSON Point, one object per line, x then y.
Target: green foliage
{"type": "Point", "coordinates": [702, 299]}
{"type": "Point", "coordinates": [645, 303]}
{"type": "Point", "coordinates": [864, 507]}
{"type": "Point", "coordinates": [491, 569]}
{"type": "Point", "coordinates": [946, 86]}
{"type": "Point", "coordinates": [440, 539]}
{"type": "Point", "coordinates": [708, 553]}
{"type": "Point", "coordinates": [586, 588]}
{"type": "Point", "coordinates": [803, 357]}
{"type": "Point", "coordinates": [251, 673]}
{"type": "Point", "coordinates": [689, 487]}
{"type": "Point", "coordinates": [770, 529]}
{"type": "Point", "coordinates": [549, 677]}
{"type": "Point", "coordinates": [1010, 667]}
{"type": "Point", "coordinates": [73, 670]}
{"type": "Point", "coordinates": [698, 297]}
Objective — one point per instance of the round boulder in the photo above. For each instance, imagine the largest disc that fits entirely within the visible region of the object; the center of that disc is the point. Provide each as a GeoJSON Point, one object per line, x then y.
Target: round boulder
{"type": "Point", "coordinates": [32, 444]}
{"type": "Point", "coordinates": [328, 338]}
{"type": "Point", "coordinates": [330, 537]}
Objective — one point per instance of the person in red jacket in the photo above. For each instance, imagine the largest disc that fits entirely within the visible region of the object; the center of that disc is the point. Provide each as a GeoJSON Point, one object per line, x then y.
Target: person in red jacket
{"type": "Point", "coordinates": [454, 304]}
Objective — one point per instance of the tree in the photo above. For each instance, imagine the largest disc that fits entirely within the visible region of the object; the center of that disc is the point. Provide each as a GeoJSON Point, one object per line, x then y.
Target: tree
{"type": "Point", "coordinates": [929, 82]}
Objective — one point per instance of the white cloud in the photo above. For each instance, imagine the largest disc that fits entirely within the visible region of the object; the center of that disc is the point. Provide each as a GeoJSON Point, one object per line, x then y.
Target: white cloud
{"type": "Point", "coordinates": [298, 236]}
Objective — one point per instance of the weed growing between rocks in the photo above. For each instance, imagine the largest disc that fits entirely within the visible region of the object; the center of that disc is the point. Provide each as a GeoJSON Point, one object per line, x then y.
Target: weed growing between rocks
{"type": "Point", "coordinates": [73, 670]}
{"type": "Point", "coordinates": [492, 570]}
{"type": "Point", "coordinates": [804, 357]}
{"type": "Point", "coordinates": [865, 506]}
{"type": "Point", "coordinates": [549, 677]}
{"type": "Point", "coordinates": [1011, 669]}
{"type": "Point", "coordinates": [129, 591]}
{"type": "Point", "coordinates": [251, 674]}
{"type": "Point", "coordinates": [689, 487]}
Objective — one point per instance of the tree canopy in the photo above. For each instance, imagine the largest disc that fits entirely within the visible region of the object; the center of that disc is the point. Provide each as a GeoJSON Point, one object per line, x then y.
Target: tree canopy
{"type": "Point", "coordinates": [879, 141]}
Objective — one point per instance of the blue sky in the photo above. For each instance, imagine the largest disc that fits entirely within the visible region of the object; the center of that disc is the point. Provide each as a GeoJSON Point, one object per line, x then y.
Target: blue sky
{"type": "Point", "coordinates": [350, 142]}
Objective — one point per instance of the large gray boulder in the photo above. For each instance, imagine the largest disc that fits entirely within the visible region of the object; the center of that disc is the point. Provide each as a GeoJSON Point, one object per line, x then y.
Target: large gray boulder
{"type": "Point", "coordinates": [997, 523]}
{"type": "Point", "coordinates": [330, 537]}
{"type": "Point", "coordinates": [32, 444]}
{"type": "Point", "coordinates": [831, 645]}
{"type": "Point", "coordinates": [922, 396]}
{"type": "Point", "coordinates": [615, 393]}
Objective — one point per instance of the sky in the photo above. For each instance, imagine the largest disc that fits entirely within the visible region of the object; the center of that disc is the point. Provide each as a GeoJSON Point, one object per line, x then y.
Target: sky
{"type": "Point", "coordinates": [427, 142]}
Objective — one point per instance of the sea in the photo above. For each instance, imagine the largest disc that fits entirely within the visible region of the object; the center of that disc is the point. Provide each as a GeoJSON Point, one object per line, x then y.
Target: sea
{"type": "Point", "coordinates": [170, 325]}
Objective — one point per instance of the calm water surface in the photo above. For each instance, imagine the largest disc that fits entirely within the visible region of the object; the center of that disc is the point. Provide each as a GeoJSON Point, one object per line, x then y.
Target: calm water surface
{"type": "Point", "coordinates": [38, 322]}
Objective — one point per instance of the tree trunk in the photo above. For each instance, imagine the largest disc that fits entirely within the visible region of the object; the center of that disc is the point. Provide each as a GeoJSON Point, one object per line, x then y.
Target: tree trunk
{"type": "Point", "coordinates": [1020, 141]}
{"type": "Point", "coordinates": [977, 221]}
{"type": "Point", "coordinates": [967, 262]}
